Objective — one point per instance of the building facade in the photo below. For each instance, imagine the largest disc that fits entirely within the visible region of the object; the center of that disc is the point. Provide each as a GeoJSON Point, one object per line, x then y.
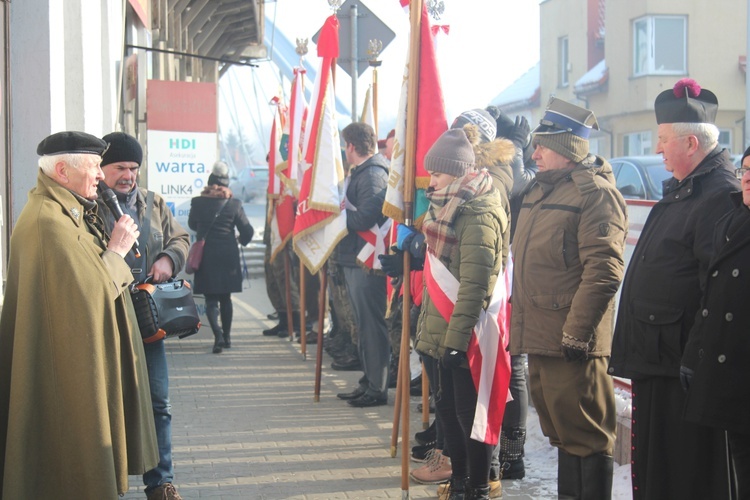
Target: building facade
{"type": "Point", "coordinates": [615, 57]}
{"type": "Point", "coordinates": [84, 65]}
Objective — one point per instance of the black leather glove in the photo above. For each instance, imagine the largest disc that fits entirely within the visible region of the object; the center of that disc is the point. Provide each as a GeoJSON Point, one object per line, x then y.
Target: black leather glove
{"type": "Point", "coordinates": [519, 134]}
{"type": "Point", "coordinates": [686, 377]}
{"type": "Point", "coordinates": [574, 349]}
{"type": "Point", "coordinates": [392, 264]}
{"type": "Point", "coordinates": [453, 358]}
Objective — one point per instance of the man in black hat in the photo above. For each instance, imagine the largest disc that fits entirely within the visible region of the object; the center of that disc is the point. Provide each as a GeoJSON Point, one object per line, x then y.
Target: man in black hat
{"type": "Point", "coordinates": [568, 249]}
{"type": "Point", "coordinates": [672, 458]}
{"type": "Point", "coordinates": [163, 248]}
{"type": "Point", "coordinates": [75, 416]}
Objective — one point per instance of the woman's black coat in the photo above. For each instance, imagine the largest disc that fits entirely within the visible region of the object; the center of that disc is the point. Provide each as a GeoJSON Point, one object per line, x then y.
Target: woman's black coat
{"type": "Point", "coordinates": [220, 270]}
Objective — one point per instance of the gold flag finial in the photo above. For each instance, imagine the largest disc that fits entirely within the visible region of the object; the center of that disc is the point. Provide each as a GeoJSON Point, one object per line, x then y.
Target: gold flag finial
{"type": "Point", "coordinates": [374, 48]}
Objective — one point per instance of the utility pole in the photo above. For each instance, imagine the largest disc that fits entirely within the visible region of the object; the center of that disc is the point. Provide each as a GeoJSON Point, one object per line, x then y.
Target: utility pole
{"type": "Point", "coordinates": [355, 60]}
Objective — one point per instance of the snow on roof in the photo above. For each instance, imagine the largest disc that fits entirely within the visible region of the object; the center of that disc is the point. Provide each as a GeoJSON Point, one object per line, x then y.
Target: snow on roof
{"type": "Point", "coordinates": [593, 80]}
{"type": "Point", "coordinates": [523, 93]}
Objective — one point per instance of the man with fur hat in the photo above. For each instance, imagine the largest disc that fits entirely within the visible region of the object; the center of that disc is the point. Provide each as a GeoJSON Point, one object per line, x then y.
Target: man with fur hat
{"type": "Point", "coordinates": [163, 248]}
{"type": "Point", "coordinates": [568, 250]}
{"type": "Point", "coordinates": [75, 415]}
{"type": "Point", "coordinates": [660, 297]}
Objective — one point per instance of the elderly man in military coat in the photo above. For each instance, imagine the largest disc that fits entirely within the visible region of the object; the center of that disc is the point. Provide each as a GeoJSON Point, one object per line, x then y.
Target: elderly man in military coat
{"type": "Point", "coordinates": [75, 410]}
{"type": "Point", "coordinates": [568, 251]}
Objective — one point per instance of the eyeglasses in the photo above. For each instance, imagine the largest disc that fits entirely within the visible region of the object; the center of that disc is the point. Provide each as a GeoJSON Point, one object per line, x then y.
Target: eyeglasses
{"type": "Point", "coordinates": [740, 172]}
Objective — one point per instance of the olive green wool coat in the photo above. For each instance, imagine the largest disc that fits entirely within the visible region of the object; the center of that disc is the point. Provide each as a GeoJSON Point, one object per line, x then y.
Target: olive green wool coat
{"type": "Point", "coordinates": [75, 407]}
{"type": "Point", "coordinates": [476, 261]}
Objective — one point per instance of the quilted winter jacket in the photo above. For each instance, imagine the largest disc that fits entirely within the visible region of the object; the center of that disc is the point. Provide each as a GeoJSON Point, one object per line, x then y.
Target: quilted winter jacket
{"type": "Point", "coordinates": [568, 256]}
{"type": "Point", "coordinates": [476, 262]}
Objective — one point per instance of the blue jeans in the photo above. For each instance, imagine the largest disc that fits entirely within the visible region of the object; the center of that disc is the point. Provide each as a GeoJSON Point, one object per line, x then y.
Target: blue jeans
{"type": "Point", "coordinates": [158, 377]}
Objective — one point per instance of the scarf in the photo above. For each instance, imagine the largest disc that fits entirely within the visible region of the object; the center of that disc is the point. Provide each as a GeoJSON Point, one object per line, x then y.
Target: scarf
{"type": "Point", "coordinates": [444, 203]}
{"type": "Point", "coordinates": [93, 222]}
{"type": "Point", "coordinates": [128, 203]}
{"type": "Point", "coordinates": [216, 191]}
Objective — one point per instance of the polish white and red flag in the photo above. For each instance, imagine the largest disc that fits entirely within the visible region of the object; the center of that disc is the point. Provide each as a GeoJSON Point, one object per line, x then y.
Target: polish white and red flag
{"type": "Point", "coordinates": [321, 218]}
{"type": "Point", "coordinates": [376, 243]}
{"type": "Point", "coordinates": [431, 123]}
{"type": "Point", "coordinates": [297, 114]}
{"type": "Point", "coordinates": [275, 154]}
{"type": "Point", "coordinates": [368, 111]}
{"type": "Point", "coordinates": [376, 237]}
{"type": "Point", "coordinates": [280, 199]}
{"type": "Point", "coordinates": [489, 360]}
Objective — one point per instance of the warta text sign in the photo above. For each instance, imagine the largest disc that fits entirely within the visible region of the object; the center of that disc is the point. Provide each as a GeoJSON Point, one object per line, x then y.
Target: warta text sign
{"type": "Point", "coordinates": [182, 141]}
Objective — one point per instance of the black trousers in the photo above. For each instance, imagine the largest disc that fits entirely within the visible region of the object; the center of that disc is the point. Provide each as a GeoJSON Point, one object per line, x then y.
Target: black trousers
{"type": "Point", "coordinates": [455, 403]}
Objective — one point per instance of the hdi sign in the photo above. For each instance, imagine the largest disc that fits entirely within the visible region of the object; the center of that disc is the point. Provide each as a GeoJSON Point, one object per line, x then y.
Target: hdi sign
{"type": "Point", "coordinates": [182, 140]}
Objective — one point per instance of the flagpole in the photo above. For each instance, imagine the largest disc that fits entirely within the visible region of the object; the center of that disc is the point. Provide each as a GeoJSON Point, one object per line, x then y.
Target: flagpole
{"type": "Point", "coordinates": [415, 13]}
{"type": "Point", "coordinates": [300, 50]}
{"type": "Point", "coordinates": [397, 408]}
{"type": "Point", "coordinates": [288, 288]}
{"type": "Point", "coordinates": [321, 319]}
{"type": "Point", "coordinates": [302, 310]}
{"type": "Point", "coordinates": [373, 50]}
{"type": "Point", "coordinates": [375, 99]}
{"type": "Point", "coordinates": [425, 399]}
{"type": "Point", "coordinates": [334, 4]}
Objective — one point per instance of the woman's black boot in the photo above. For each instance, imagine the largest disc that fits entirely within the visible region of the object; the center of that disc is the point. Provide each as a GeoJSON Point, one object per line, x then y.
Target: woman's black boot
{"type": "Point", "coordinates": [212, 313]}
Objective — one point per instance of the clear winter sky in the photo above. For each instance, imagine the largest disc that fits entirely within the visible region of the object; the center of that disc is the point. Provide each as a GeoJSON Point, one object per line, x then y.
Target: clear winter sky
{"type": "Point", "coordinates": [490, 44]}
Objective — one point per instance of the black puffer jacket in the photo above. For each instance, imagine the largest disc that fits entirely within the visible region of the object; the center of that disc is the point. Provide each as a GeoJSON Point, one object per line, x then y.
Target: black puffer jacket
{"type": "Point", "coordinates": [366, 192]}
{"type": "Point", "coordinates": [662, 287]}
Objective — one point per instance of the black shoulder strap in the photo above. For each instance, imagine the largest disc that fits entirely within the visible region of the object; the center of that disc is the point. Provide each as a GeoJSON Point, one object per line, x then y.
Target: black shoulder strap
{"type": "Point", "coordinates": [216, 216]}
{"type": "Point", "coordinates": [139, 269]}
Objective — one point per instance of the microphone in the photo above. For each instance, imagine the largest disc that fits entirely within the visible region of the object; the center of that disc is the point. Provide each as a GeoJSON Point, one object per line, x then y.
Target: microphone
{"type": "Point", "coordinates": [110, 199]}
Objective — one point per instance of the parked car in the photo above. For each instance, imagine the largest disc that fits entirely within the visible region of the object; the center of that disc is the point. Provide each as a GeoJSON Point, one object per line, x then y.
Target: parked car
{"type": "Point", "coordinates": [640, 177]}
{"type": "Point", "coordinates": [250, 183]}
